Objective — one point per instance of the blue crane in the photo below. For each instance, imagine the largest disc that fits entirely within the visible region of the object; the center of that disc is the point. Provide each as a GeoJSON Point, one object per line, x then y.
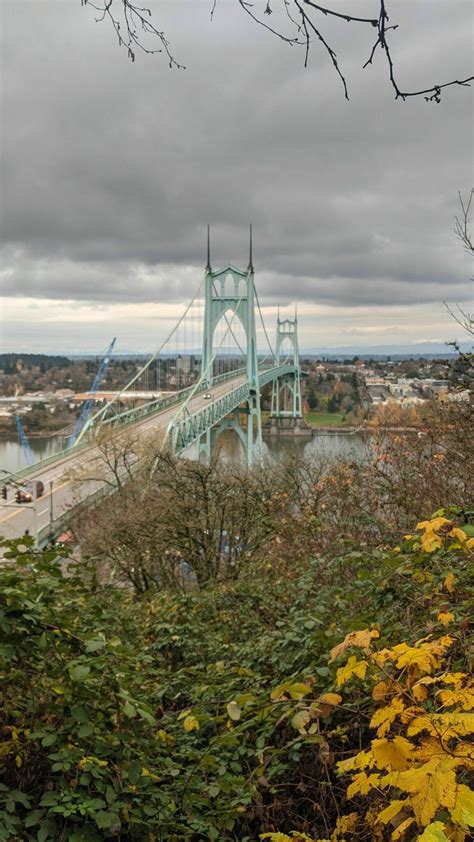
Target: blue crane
{"type": "Point", "coordinates": [87, 405]}
{"type": "Point", "coordinates": [26, 447]}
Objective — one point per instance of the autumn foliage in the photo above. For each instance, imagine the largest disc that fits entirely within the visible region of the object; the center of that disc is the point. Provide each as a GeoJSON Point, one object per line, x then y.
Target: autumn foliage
{"type": "Point", "coordinates": [328, 702]}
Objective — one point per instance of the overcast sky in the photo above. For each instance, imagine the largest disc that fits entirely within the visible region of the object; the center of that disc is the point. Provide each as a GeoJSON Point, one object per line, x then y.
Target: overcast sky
{"type": "Point", "coordinates": [111, 171]}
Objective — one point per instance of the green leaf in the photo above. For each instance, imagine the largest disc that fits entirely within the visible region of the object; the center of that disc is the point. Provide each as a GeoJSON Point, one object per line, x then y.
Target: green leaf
{"type": "Point", "coordinates": [34, 818]}
{"type": "Point", "coordinates": [49, 799]}
{"type": "Point", "coordinates": [79, 672]}
{"type": "Point", "coordinates": [147, 716]}
{"type": "Point", "coordinates": [79, 713]}
{"type": "Point", "coordinates": [110, 795]}
{"type": "Point", "coordinates": [86, 730]}
{"type": "Point", "coordinates": [104, 820]}
{"type": "Point", "coordinates": [129, 710]}
{"type": "Point", "coordinates": [234, 711]}
{"type": "Point", "coordinates": [94, 644]}
{"type": "Point", "coordinates": [298, 690]}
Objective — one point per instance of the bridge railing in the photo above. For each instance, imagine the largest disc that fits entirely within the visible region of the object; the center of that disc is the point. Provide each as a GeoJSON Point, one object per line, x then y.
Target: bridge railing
{"type": "Point", "coordinates": [140, 412]}
{"type": "Point", "coordinates": [190, 427]}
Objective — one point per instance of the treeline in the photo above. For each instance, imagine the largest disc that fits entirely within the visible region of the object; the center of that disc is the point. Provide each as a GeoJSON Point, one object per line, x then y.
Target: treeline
{"type": "Point", "coordinates": [9, 362]}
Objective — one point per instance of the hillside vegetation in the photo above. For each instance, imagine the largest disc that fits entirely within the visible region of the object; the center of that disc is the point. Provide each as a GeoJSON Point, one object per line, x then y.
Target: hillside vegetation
{"type": "Point", "coordinates": [312, 686]}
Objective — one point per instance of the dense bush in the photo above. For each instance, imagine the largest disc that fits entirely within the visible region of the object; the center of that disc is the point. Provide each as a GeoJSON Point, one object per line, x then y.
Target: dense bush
{"type": "Point", "coordinates": [219, 714]}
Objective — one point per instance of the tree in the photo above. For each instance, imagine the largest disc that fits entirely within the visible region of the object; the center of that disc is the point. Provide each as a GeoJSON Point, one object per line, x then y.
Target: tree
{"type": "Point", "coordinates": [312, 399]}
{"type": "Point", "coordinates": [333, 403]}
{"type": "Point", "coordinates": [135, 30]}
{"type": "Point", "coordinates": [172, 516]}
{"type": "Point", "coordinates": [462, 372]}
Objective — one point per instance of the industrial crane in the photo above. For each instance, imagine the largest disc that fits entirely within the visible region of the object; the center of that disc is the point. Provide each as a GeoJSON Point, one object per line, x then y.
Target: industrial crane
{"type": "Point", "coordinates": [87, 405]}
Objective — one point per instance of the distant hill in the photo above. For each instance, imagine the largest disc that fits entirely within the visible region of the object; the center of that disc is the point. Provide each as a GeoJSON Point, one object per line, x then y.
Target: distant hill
{"type": "Point", "coordinates": [8, 362]}
{"type": "Point", "coordinates": [430, 350]}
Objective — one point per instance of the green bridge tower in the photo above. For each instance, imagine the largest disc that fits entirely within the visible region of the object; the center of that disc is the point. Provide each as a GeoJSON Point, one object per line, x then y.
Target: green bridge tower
{"type": "Point", "coordinates": [232, 290]}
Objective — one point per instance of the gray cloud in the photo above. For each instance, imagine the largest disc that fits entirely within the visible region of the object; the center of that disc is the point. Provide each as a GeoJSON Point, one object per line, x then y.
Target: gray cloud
{"type": "Point", "coordinates": [111, 170]}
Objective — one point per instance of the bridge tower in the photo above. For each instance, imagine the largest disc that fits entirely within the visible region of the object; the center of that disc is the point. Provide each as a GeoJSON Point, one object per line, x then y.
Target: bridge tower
{"type": "Point", "coordinates": [232, 290]}
{"type": "Point", "coordinates": [286, 391]}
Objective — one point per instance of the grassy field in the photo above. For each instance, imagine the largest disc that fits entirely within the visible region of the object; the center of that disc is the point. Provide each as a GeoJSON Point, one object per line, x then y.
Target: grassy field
{"type": "Point", "coordinates": [325, 419]}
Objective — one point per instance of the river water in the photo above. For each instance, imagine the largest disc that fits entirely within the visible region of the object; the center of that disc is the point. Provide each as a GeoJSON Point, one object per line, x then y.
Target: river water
{"type": "Point", "coordinates": [13, 459]}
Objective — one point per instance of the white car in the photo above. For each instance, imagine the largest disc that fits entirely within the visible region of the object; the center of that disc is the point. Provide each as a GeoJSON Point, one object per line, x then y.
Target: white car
{"type": "Point", "coordinates": [207, 396]}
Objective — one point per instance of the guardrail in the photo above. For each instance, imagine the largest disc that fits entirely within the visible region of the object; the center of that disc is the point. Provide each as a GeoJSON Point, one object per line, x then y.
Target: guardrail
{"type": "Point", "coordinates": [58, 525]}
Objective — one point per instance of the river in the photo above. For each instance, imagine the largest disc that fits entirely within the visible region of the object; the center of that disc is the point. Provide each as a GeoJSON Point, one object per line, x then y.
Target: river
{"type": "Point", "coordinates": [13, 459]}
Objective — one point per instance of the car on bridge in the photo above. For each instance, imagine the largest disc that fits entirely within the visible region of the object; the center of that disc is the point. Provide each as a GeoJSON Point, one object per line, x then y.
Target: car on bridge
{"type": "Point", "coordinates": [22, 495]}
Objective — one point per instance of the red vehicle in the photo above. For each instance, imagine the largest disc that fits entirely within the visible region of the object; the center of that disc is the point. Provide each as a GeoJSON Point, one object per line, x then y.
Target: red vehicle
{"type": "Point", "coordinates": [24, 496]}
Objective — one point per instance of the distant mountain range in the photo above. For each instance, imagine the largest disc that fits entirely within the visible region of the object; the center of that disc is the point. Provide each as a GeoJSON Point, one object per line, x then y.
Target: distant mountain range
{"type": "Point", "coordinates": [413, 351]}
{"type": "Point", "coordinates": [422, 349]}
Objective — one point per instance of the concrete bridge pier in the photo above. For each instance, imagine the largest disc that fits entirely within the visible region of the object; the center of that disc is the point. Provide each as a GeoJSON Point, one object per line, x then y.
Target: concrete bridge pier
{"type": "Point", "coordinates": [289, 426]}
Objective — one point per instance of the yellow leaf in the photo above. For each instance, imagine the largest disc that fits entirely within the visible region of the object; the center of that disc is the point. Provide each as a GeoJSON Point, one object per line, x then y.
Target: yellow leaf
{"type": "Point", "coordinates": [190, 723]}
{"type": "Point", "coordinates": [385, 655]}
{"type": "Point", "coordinates": [362, 783]}
{"type": "Point", "coordinates": [431, 786]}
{"type": "Point", "coordinates": [456, 678]}
{"type": "Point", "coordinates": [18, 761]}
{"type": "Point", "coordinates": [419, 692]}
{"type": "Point", "coordinates": [417, 657]}
{"type": "Point", "coordinates": [392, 754]}
{"type": "Point", "coordinates": [353, 667]}
{"type": "Point", "coordinates": [445, 617]}
{"type": "Point", "coordinates": [361, 639]}
{"type": "Point", "coordinates": [449, 582]}
{"type": "Point", "coordinates": [463, 699]}
{"type": "Point", "coordinates": [458, 533]}
{"type": "Point", "coordinates": [432, 525]}
{"type": "Point", "coordinates": [324, 705]}
{"type": "Point", "coordinates": [422, 683]}
{"type": "Point", "coordinates": [383, 718]}
{"type": "Point", "coordinates": [346, 824]}
{"type": "Point", "coordinates": [434, 833]}
{"type": "Point", "coordinates": [430, 542]}
{"type": "Point", "coordinates": [400, 830]}
{"type": "Point", "coordinates": [448, 724]}
{"type": "Point", "coordinates": [380, 691]}
{"type": "Point", "coordinates": [360, 761]}
{"type": "Point", "coordinates": [463, 811]}
{"type": "Point", "coordinates": [6, 747]}
{"type": "Point", "coordinates": [391, 811]}
{"type": "Point", "coordinates": [330, 699]}
{"type": "Point", "coordinates": [439, 645]}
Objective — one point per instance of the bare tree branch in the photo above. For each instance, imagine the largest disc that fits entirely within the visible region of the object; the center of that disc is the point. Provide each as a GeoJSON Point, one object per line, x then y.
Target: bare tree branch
{"type": "Point", "coordinates": [461, 225]}
{"type": "Point", "coordinates": [133, 26]}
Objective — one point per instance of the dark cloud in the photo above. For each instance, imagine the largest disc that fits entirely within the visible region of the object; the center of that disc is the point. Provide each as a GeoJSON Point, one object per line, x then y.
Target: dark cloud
{"type": "Point", "coordinates": [112, 170]}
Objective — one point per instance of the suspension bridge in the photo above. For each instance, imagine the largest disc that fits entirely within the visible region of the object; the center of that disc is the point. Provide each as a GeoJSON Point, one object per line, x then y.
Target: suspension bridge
{"type": "Point", "coordinates": [206, 377]}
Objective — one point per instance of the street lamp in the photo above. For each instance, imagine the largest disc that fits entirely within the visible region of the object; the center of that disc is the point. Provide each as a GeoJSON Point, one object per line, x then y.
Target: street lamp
{"type": "Point", "coordinates": [51, 483]}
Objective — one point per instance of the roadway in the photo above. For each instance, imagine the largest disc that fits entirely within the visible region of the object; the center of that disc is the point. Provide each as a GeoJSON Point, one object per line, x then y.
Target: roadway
{"type": "Point", "coordinates": [63, 490]}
